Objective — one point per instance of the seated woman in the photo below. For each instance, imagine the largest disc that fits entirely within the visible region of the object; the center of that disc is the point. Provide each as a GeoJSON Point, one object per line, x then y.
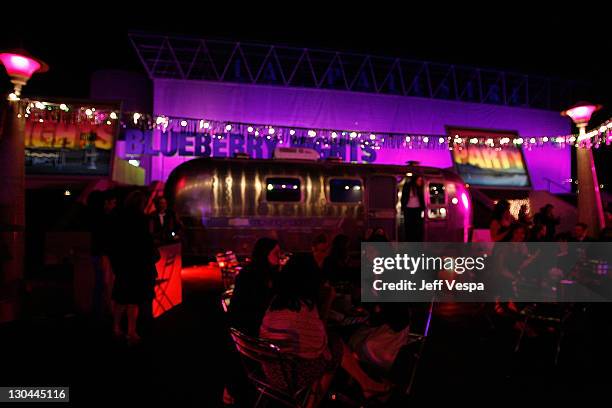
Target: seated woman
{"type": "Point", "coordinates": [292, 322]}
{"type": "Point", "coordinates": [253, 289]}
{"type": "Point", "coordinates": [251, 297]}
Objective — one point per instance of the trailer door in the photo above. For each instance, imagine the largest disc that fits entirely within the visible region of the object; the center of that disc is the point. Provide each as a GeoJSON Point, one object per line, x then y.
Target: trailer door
{"type": "Point", "coordinates": [381, 192]}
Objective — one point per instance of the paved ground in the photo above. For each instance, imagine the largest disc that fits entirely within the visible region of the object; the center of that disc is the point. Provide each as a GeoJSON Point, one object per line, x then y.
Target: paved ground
{"type": "Point", "coordinates": [183, 364]}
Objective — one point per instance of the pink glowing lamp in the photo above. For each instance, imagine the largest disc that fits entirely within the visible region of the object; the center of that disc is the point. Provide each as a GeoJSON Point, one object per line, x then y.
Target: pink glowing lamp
{"type": "Point", "coordinates": [581, 112]}
{"type": "Point", "coordinates": [20, 66]}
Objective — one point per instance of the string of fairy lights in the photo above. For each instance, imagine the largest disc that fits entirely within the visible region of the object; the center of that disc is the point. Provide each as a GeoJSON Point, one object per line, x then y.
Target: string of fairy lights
{"type": "Point", "coordinates": [41, 111]}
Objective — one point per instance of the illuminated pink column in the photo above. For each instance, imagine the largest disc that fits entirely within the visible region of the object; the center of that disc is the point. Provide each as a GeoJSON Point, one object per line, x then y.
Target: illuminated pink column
{"type": "Point", "coordinates": [590, 209]}
{"type": "Point", "coordinates": [20, 67]}
{"type": "Point", "coordinates": [12, 211]}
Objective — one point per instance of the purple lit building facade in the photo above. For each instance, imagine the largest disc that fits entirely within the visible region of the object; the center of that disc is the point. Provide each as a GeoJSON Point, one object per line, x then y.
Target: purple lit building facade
{"type": "Point", "coordinates": [331, 109]}
{"type": "Point", "coordinates": [188, 81]}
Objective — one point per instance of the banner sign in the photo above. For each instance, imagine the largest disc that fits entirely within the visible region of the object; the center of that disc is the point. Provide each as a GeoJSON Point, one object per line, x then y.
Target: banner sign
{"type": "Point", "coordinates": [70, 147]}
{"type": "Point", "coordinates": [487, 166]}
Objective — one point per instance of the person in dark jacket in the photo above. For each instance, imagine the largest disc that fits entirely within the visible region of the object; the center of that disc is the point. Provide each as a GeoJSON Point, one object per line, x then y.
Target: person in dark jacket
{"type": "Point", "coordinates": [547, 217]}
{"type": "Point", "coordinates": [413, 206]}
{"type": "Point", "coordinates": [133, 256]}
{"type": "Point", "coordinates": [253, 288]}
{"type": "Point", "coordinates": [164, 224]}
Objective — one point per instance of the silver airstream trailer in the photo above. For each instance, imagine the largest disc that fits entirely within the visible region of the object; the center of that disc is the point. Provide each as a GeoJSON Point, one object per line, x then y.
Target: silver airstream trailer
{"type": "Point", "coordinates": [227, 204]}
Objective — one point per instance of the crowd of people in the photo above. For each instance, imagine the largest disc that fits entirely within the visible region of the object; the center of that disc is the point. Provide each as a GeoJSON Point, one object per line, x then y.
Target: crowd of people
{"type": "Point", "coordinates": [290, 304]}
{"type": "Point", "coordinates": [526, 268]}
{"type": "Point", "coordinates": [541, 227]}
{"type": "Point", "coordinates": [125, 240]}
{"type": "Point", "coordinates": [288, 301]}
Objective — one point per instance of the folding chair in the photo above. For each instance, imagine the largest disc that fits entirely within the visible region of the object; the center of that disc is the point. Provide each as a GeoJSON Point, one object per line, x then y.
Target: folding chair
{"type": "Point", "coordinates": [230, 268]}
{"type": "Point", "coordinates": [226, 298]}
{"type": "Point", "coordinates": [256, 353]}
{"type": "Point", "coordinates": [555, 320]}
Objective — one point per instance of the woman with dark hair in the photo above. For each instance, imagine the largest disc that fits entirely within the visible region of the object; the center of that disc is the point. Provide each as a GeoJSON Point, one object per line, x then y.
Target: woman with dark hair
{"type": "Point", "coordinates": [292, 323]}
{"type": "Point", "coordinates": [501, 220]}
{"type": "Point", "coordinates": [336, 265]}
{"type": "Point", "coordinates": [413, 206]}
{"type": "Point", "coordinates": [253, 288]}
{"type": "Point", "coordinates": [133, 256]}
{"type": "Point", "coordinates": [251, 298]}
{"type": "Point", "coordinates": [524, 216]}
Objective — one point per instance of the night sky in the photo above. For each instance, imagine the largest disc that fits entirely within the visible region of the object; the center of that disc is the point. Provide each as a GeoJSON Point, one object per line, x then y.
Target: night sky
{"type": "Point", "coordinates": [543, 42]}
{"type": "Point", "coordinates": [521, 39]}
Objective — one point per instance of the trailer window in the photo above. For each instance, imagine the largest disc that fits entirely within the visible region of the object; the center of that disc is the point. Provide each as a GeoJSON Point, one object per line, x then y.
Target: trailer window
{"type": "Point", "coordinates": [283, 189]}
{"type": "Point", "coordinates": [436, 194]}
{"type": "Point", "coordinates": [345, 190]}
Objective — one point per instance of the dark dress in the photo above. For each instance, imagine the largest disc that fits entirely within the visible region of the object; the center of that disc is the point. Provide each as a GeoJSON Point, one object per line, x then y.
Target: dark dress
{"type": "Point", "coordinates": [413, 222]}
{"type": "Point", "coordinates": [101, 232]}
{"type": "Point", "coordinates": [133, 256]}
